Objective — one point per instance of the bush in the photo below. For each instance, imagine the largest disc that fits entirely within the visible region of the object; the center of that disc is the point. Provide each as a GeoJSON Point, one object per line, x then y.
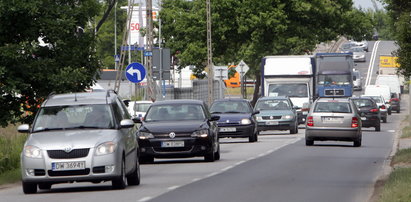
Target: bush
{"type": "Point", "coordinates": [11, 145]}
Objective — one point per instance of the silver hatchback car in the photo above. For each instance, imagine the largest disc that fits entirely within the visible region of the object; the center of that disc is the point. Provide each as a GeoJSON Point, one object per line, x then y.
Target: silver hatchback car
{"type": "Point", "coordinates": [333, 119]}
{"type": "Point", "coordinates": [80, 137]}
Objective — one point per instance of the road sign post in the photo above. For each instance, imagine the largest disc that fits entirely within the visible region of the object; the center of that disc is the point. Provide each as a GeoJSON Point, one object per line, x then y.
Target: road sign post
{"type": "Point", "coordinates": [221, 73]}
{"type": "Point", "coordinates": [242, 71]}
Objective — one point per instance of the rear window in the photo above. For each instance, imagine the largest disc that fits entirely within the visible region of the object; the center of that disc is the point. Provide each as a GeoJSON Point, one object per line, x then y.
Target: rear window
{"type": "Point", "coordinates": [364, 103]}
{"type": "Point", "coordinates": [333, 107]}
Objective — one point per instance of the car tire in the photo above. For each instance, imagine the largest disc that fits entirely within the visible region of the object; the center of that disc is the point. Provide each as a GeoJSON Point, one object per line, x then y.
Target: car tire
{"type": "Point", "coordinates": [217, 153]}
{"type": "Point", "coordinates": [121, 181]}
{"type": "Point", "coordinates": [210, 157]}
{"type": "Point", "coordinates": [357, 143]}
{"type": "Point", "coordinates": [134, 177]}
{"type": "Point", "coordinates": [253, 138]}
{"type": "Point", "coordinates": [146, 159]}
{"type": "Point", "coordinates": [378, 127]}
{"type": "Point", "coordinates": [294, 129]}
{"type": "Point", "coordinates": [398, 110]}
{"type": "Point", "coordinates": [384, 119]}
{"type": "Point", "coordinates": [29, 187]}
{"type": "Point", "coordinates": [309, 142]}
{"type": "Point", "coordinates": [389, 112]}
{"type": "Point", "coordinates": [45, 186]}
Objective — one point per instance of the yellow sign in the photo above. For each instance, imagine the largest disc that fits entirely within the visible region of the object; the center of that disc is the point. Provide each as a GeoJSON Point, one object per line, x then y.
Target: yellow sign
{"type": "Point", "coordinates": [388, 61]}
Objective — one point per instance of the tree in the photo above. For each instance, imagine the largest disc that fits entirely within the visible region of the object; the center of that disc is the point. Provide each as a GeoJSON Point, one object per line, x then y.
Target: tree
{"type": "Point", "coordinates": [250, 30]}
{"type": "Point", "coordinates": [31, 70]}
{"type": "Point", "coordinates": [399, 11]}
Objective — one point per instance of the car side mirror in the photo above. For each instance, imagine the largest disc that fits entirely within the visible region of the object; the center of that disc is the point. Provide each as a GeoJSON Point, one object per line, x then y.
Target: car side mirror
{"type": "Point", "coordinates": [126, 102]}
{"type": "Point", "coordinates": [126, 123]}
{"type": "Point", "coordinates": [214, 118]}
{"type": "Point", "coordinates": [136, 119]}
{"type": "Point", "coordinates": [296, 107]}
{"type": "Point", "coordinates": [255, 112]}
{"type": "Point", "coordinates": [25, 128]}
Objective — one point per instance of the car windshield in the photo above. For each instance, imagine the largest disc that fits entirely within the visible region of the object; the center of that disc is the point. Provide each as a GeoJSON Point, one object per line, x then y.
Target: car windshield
{"type": "Point", "coordinates": [357, 49]}
{"type": "Point", "coordinates": [74, 117]}
{"type": "Point", "coordinates": [331, 79]}
{"type": "Point", "coordinates": [377, 99]}
{"type": "Point", "coordinates": [175, 112]}
{"type": "Point", "coordinates": [332, 107]}
{"type": "Point", "coordinates": [290, 90]}
{"type": "Point", "coordinates": [230, 107]}
{"type": "Point", "coordinates": [363, 103]}
{"type": "Point", "coordinates": [274, 104]}
{"type": "Point", "coordinates": [141, 107]}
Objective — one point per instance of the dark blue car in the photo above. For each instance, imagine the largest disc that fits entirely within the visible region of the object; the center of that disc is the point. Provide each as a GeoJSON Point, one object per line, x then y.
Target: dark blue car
{"type": "Point", "coordinates": [237, 119]}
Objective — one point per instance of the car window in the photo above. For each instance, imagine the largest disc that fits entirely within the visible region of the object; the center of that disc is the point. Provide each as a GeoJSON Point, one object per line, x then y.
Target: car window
{"type": "Point", "coordinates": [273, 104]}
{"type": "Point", "coordinates": [141, 107]}
{"type": "Point", "coordinates": [175, 112]}
{"type": "Point", "coordinates": [332, 107]}
{"type": "Point", "coordinates": [290, 90]}
{"type": "Point", "coordinates": [363, 103]}
{"type": "Point", "coordinates": [230, 107]}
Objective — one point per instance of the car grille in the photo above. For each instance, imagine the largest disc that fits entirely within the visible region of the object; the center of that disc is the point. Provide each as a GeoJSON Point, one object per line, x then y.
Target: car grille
{"type": "Point", "coordinates": [61, 154]}
{"type": "Point", "coordinates": [270, 117]}
{"type": "Point", "coordinates": [174, 149]}
{"type": "Point", "coordinates": [68, 172]}
{"type": "Point", "coordinates": [167, 135]}
{"type": "Point", "coordinates": [39, 172]}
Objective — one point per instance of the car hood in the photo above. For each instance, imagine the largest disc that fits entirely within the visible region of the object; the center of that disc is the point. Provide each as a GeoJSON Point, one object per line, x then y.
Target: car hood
{"type": "Point", "coordinates": [54, 140]}
{"type": "Point", "coordinates": [173, 126]}
{"type": "Point", "coordinates": [299, 101]}
{"type": "Point", "coordinates": [275, 112]}
{"type": "Point", "coordinates": [234, 117]}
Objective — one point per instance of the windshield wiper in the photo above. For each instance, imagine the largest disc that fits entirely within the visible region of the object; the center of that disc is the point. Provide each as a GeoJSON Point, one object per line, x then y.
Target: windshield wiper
{"type": "Point", "coordinates": [234, 112]}
{"type": "Point", "coordinates": [47, 129]}
{"type": "Point", "coordinates": [86, 127]}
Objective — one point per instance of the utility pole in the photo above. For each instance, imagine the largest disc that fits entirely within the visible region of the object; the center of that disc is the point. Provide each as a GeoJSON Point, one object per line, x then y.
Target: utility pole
{"type": "Point", "coordinates": [151, 84]}
{"type": "Point", "coordinates": [209, 56]}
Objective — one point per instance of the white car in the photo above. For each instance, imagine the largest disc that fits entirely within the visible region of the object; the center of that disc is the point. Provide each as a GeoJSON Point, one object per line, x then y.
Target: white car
{"type": "Point", "coordinates": [362, 44]}
{"type": "Point", "coordinates": [138, 108]}
{"type": "Point", "coordinates": [358, 54]}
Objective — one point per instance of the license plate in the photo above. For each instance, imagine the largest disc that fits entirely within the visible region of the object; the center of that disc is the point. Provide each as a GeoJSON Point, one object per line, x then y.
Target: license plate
{"type": "Point", "coordinates": [363, 118]}
{"type": "Point", "coordinates": [172, 144]}
{"type": "Point", "coordinates": [75, 165]}
{"type": "Point", "coordinates": [228, 129]}
{"type": "Point", "coordinates": [272, 122]}
{"type": "Point", "coordinates": [331, 119]}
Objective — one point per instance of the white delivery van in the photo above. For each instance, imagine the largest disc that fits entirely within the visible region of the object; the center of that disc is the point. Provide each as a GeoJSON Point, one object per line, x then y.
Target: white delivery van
{"type": "Point", "coordinates": [382, 90]}
{"type": "Point", "coordinates": [392, 81]}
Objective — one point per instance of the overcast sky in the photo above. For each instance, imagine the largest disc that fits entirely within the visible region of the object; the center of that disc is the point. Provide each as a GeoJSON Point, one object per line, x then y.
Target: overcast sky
{"type": "Point", "coordinates": [365, 4]}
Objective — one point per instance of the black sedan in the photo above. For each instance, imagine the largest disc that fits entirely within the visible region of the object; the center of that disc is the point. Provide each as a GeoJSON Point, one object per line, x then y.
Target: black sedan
{"type": "Point", "coordinates": [369, 112]}
{"type": "Point", "coordinates": [237, 119]}
{"type": "Point", "coordinates": [178, 129]}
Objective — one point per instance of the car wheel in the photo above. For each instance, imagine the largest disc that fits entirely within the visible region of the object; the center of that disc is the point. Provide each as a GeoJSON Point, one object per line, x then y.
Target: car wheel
{"type": "Point", "coordinates": [398, 110]}
{"type": "Point", "coordinates": [252, 138]}
{"type": "Point", "coordinates": [46, 186]}
{"type": "Point", "coordinates": [389, 112]}
{"type": "Point", "coordinates": [357, 143]}
{"type": "Point", "coordinates": [309, 142]}
{"type": "Point", "coordinates": [146, 159]}
{"type": "Point", "coordinates": [120, 182]}
{"type": "Point", "coordinates": [384, 119]}
{"type": "Point", "coordinates": [294, 129]}
{"type": "Point", "coordinates": [134, 177]}
{"type": "Point", "coordinates": [29, 187]}
{"type": "Point", "coordinates": [210, 157]}
{"type": "Point", "coordinates": [378, 127]}
{"type": "Point", "coordinates": [217, 153]}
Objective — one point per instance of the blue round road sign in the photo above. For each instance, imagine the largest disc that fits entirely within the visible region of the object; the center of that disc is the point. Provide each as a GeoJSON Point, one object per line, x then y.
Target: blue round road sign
{"type": "Point", "coordinates": [135, 72]}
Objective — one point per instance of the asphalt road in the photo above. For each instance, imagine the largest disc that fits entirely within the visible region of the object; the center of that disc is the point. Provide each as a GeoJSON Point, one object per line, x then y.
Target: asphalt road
{"type": "Point", "coordinates": [279, 167]}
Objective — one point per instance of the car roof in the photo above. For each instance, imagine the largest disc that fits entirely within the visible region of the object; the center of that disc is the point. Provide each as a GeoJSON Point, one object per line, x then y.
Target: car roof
{"type": "Point", "coordinates": [81, 98]}
{"type": "Point", "coordinates": [339, 99]}
{"type": "Point", "coordinates": [274, 98]}
{"type": "Point", "coordinates": [178, 101]}
{"type": "Point", "coordinates": [231, 99]}
{"type": "Point", "coordinates": [362, 98]}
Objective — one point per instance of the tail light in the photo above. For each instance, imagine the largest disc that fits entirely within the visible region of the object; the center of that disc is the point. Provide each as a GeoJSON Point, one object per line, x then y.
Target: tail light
{"type": "Point", "coordinates": [373, 110]}
{"type": "Point", "coordinates": [354, 122]}
{"type": "Point", "coordinates": [383, 107]}
{"type": "Point", "coordinates": [394, 99]}
{"type": "Point", "coordinates": [310, 121]}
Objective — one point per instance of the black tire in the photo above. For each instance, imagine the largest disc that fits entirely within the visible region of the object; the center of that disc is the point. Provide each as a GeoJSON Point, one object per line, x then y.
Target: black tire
{"type": "Point", "coordinates": [384, 119]}
{"type": "Point", "coordinates": [294, 129]}
{"type": "Point", "coordinates": [389, 112]}
{"type": "Point", "coordinates": [134, 177]}
{"type": "Point", "coordinates": [45, 186]}
{"type": "Point", "coordinates": [146, 159]}
{"type": "Point", "coordinates": [217, 153]}
{"type": "Point", "coordinates": [253, 138]}
{"type": "Point", "coordinates": [29, 188]}
{"type": "Point", "coordinates": [121, 181]}
{"type": "Point", "coordinates": [398, 110]}
{"type": "Point", "coordinates": [309, 142]}
{"type": "Point", "coordinates": [357, 143]}
{"type": "Point", "coordinates": [378, 127]}
{"type": "Point", "coordinates": [210, 157]}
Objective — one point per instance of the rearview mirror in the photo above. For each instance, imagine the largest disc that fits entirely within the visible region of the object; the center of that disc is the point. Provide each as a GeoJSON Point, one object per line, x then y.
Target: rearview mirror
{"type": "Point", "coordinates": [255, 112]}
{"type": "Point", "coordinates": [214, 118]}
{"type": "Point", "coordinates": [23, 128]}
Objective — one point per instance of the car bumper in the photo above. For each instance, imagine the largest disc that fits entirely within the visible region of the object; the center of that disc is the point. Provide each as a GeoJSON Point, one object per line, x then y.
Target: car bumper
{"type": "Point", "coordinates": [370, 121]}
{"type": "Point", "coordinates": [192, 147]}
{"type": "Point", "coordinates": [333, 134]}
{"type": "Point", "coordinates": [97, 168]}
{"type": "Point", "coordinates": [275, 125]}
{"type": "Point", "coordinates": [240, 131]}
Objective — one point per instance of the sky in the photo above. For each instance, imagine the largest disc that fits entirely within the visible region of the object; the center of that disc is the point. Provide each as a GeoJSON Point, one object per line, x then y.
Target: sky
{"type": "Point", "coordinates": [365, 4]}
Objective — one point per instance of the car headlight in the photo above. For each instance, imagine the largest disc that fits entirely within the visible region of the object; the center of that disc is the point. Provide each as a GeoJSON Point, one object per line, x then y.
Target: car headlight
{"type": "Point", "coordinates": [32, 152]}
{"type": "Point", "coordinates": [245, 121]}
{"type": "Point", "coordinates": [145, 135]}
{"type": "Point", "coordinates": [105, 148]}
{"type": "Point", "coordinates": [200, 133]}
{"type": "Point", "coordinates": [259, 118]}
{"type": "Point", "coordinates": [287, 117]}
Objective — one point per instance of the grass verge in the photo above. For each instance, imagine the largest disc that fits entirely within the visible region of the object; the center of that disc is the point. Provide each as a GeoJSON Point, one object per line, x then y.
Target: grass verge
{"type": "Point", "coordinates": [406, 132]}
{"type": "Point", "coordinates": [10, 176]}
{"type": "Point", "coordinates": [397, 187]}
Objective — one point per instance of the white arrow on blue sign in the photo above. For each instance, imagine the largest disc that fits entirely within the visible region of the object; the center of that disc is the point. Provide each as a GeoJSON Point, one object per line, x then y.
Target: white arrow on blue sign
{"type": "Point", "coordinates": [135, 72]}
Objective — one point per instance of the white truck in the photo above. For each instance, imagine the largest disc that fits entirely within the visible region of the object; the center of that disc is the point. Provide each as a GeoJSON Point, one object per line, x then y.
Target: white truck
{"type": "Point", "coordinates": [290, 76]}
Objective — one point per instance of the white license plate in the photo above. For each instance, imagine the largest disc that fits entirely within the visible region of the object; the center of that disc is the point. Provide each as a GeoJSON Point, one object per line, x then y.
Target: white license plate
{"type": "Point", "coordinates": [172, 144]}
{"type": "Point", "coordinates": [228, 129]}
{"type": "Point", "coordinates": [75, 165]}
{"type": "Point", "coordinates": [363, 118]}
{"type": "Point", "coordinates": [331, 119]}
{"type": "Point", "coordinates": [272, 122]}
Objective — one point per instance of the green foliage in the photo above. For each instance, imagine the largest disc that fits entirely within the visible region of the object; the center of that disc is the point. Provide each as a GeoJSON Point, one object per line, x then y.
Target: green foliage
{"type": "Point", "coordinates": [29, 70]}
{"type": "Point", "coordinates": [397, 188]}
{"type": "Point", "coordinates": [10, 149]}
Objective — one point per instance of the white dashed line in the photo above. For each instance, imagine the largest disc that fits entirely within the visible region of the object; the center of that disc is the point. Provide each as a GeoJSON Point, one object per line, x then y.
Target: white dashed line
{"type": "Point", "coordinates": [173, 187]}
{"type": "Point", "coordinates": [226, 168]}
{"type": "Point", "coordinates": [391, 131]}
{"type": "Point", "coordinates": [145, 199]}
{"type": "Point", "coordinates": [211, 174]}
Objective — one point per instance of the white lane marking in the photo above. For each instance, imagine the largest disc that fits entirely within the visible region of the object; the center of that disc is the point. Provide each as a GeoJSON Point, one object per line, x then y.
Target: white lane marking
{"type": "Point", "coordinates": [238, 163]}
{"type": "Point", "coordinates": [211, 174]}
{"type": "Point", "coordinates": [195, 179]}
{"type": "Point", "coordinates": [372, 61]}
{"type": "Point", "coordinates": [145, 199]}
{"type": "Point", "coordinates": [173, 187]}
{"type": "Point", "coordinates": [391, 131]}
{"type": "Point", "coordinates": [227, 168]}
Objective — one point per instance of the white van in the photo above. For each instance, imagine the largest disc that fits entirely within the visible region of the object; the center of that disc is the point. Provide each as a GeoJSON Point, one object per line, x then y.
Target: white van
{"type": "Point", "coordinates": [382, 90]}
{"type": "Point", "coordinates": [392, 81]}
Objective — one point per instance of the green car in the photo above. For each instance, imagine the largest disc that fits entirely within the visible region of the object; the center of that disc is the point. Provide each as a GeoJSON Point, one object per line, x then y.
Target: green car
{"type": "Point", "coordinates": [276, 113]}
